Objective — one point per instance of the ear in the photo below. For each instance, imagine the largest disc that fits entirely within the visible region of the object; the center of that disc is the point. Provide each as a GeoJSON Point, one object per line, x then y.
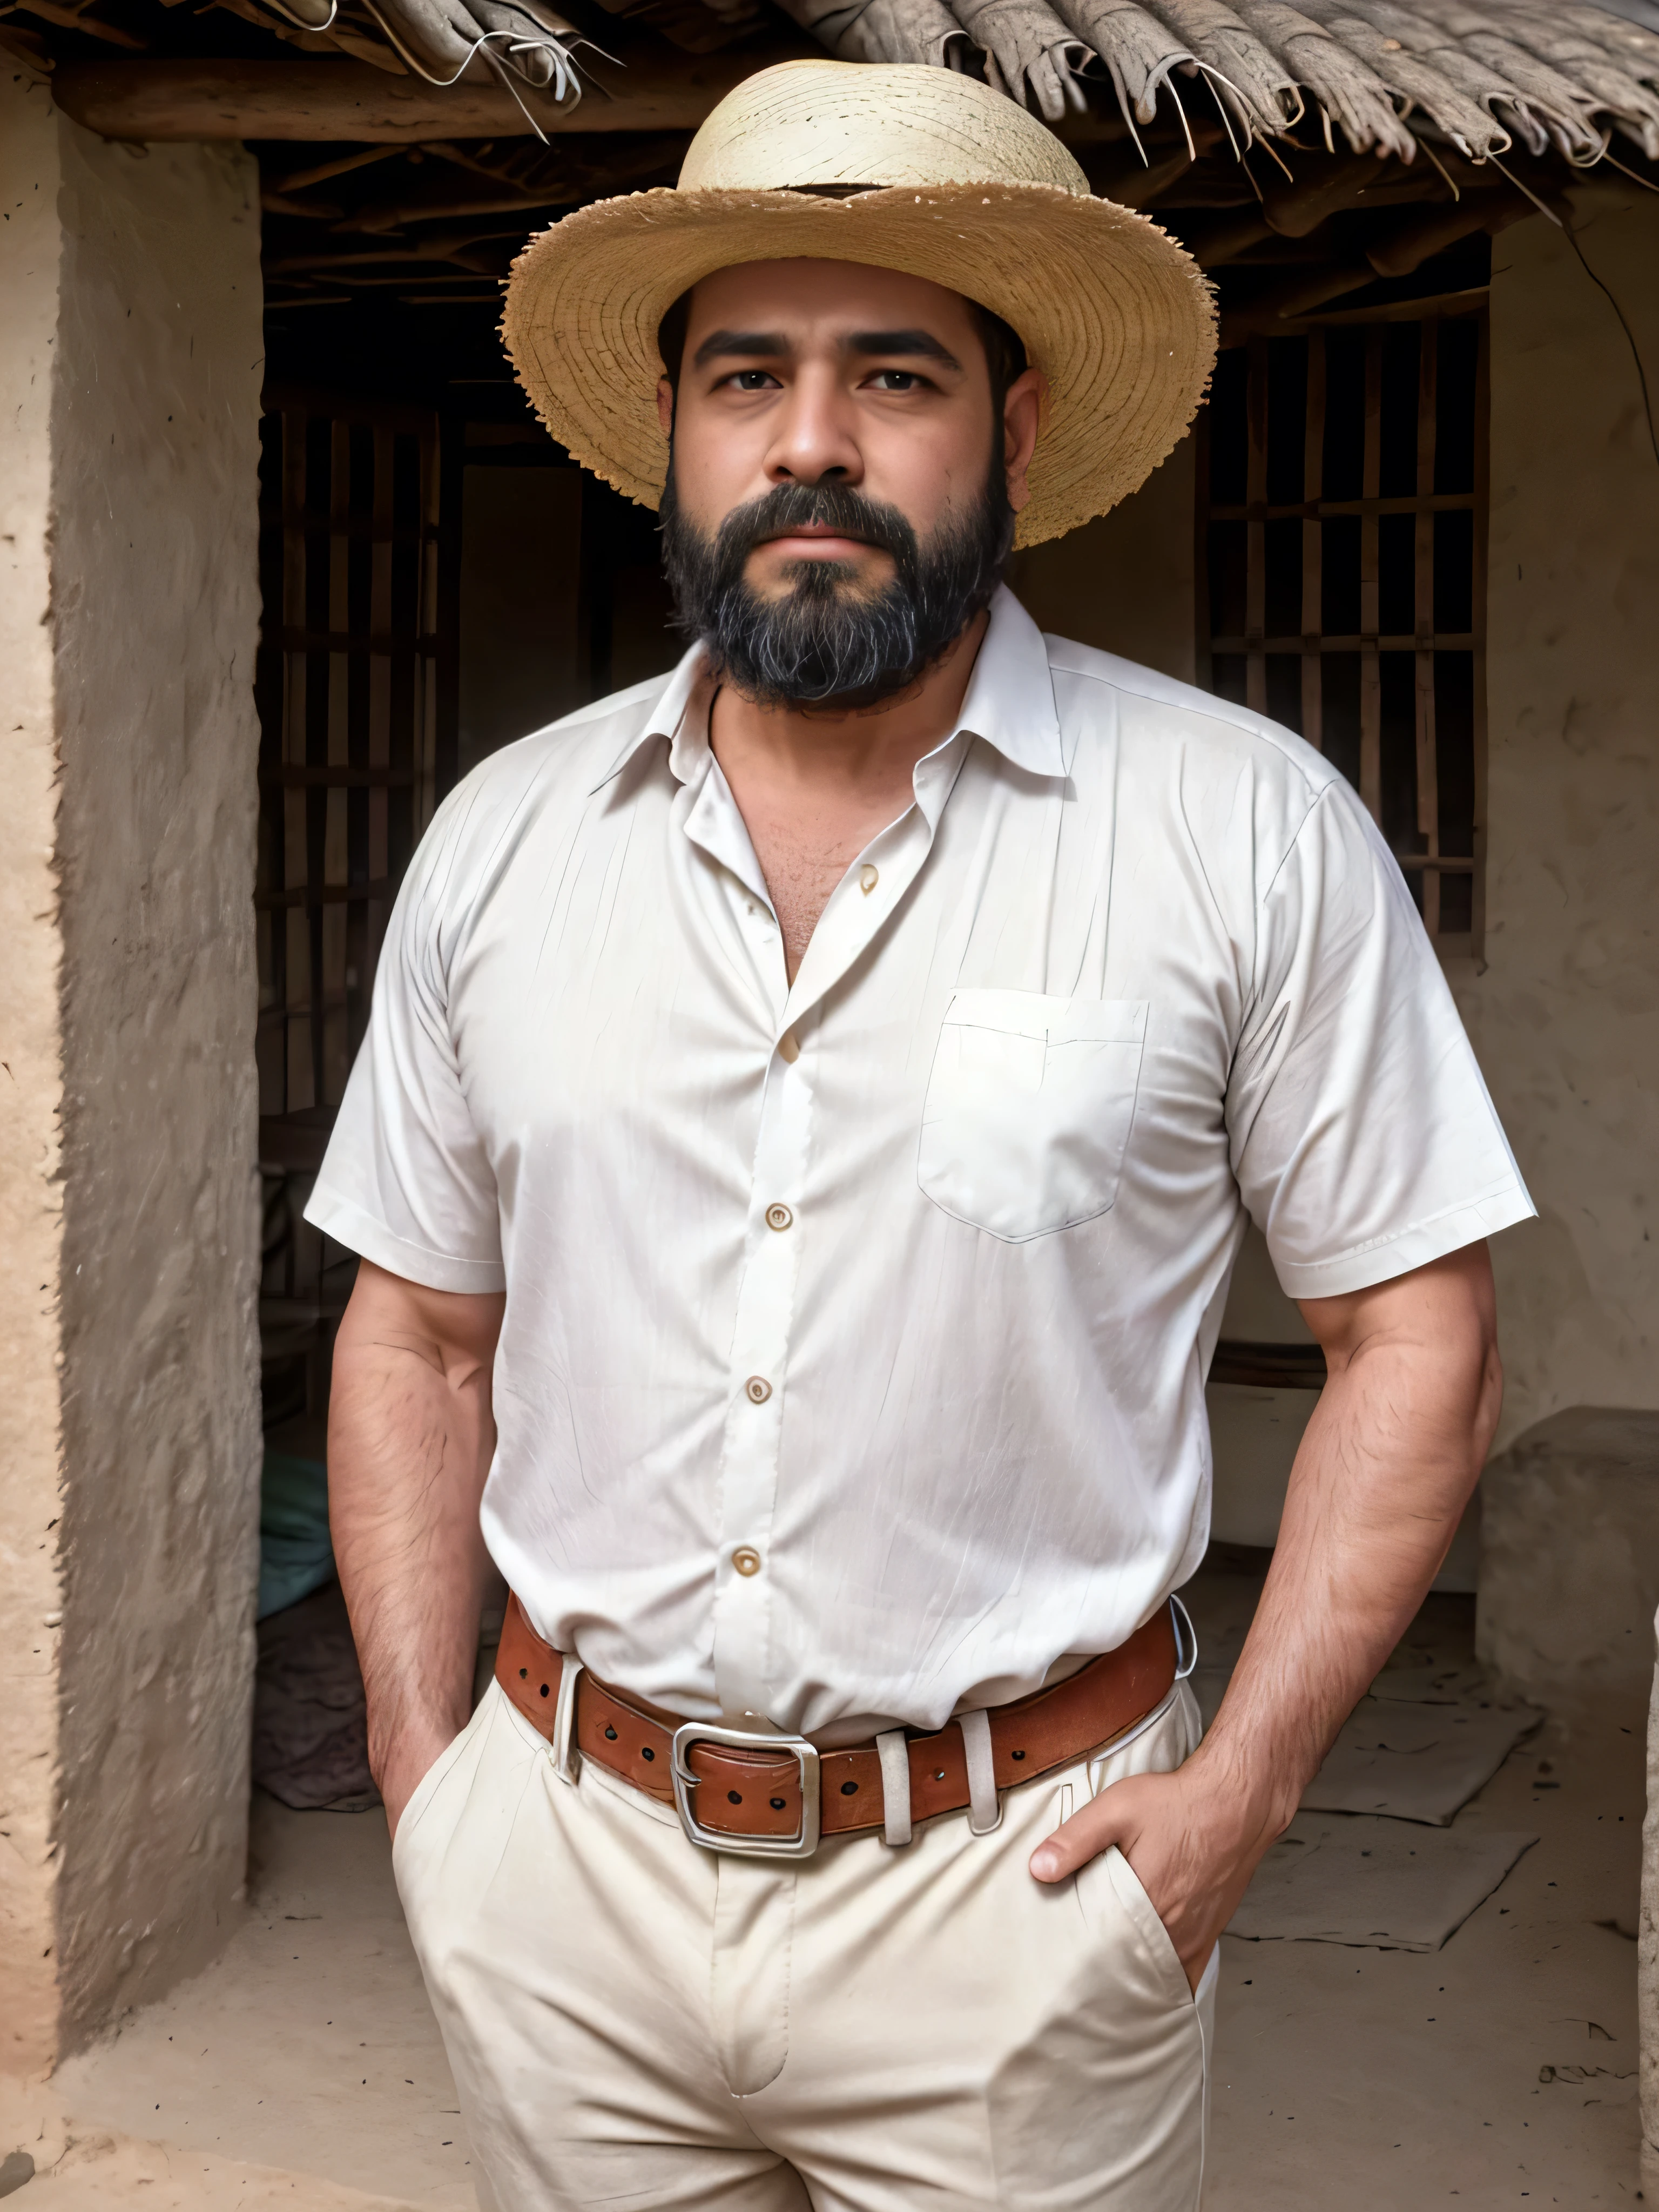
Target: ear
{"type": "Point", "coordinates": [1022, 418]}
{"type": "Point", "coordinates": [666, 408]}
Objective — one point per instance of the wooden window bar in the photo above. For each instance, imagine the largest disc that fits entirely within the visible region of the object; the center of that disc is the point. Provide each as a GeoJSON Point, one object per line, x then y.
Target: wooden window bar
{"type": "Point", "coordinates": [356, 692]}
{"type": "Point", "coordinates": [1334, 465]}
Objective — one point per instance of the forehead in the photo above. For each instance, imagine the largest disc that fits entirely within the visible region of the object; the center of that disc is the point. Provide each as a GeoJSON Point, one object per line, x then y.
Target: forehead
{"type": "Point", "coordinates": [833, 295]}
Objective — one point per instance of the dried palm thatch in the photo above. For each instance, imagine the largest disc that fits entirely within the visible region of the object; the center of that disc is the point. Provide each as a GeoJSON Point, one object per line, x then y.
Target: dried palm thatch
{"type": "Point", "coordinates": [436, 40]}
{"type": "Point", "coordinates": [1538, 72]}
{"type": "Point", "coordinates": [521, 41]}
{"type": "Point", "coordinates": [1545, 74]}
{"type": "Point", "coordinates": [871, 30]}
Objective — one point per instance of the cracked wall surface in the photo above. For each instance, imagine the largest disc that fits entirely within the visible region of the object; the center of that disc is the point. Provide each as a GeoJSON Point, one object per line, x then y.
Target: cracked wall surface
{"type": "Point", "coordinates": [130, 372]}
{"type": "Point", "coordinates": [1563, 1014]}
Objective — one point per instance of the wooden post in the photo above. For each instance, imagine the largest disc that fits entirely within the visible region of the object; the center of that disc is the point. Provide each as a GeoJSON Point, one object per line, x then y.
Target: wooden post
{"type": "Point", "coordinates": [1313, 555]}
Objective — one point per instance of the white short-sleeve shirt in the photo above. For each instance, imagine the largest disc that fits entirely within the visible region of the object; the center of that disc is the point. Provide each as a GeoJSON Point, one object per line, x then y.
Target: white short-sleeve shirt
{"type": "Point", "coordinates": [896, 1288]}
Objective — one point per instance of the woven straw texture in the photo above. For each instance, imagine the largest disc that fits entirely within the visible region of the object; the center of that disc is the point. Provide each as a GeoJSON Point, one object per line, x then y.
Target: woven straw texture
{"type": "Point", "coordinates": [973, 194]}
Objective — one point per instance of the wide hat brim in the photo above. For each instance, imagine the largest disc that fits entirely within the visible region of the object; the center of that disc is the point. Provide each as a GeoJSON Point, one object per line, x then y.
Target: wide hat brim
{"type": "Point", "coordinates": [1117, 315]}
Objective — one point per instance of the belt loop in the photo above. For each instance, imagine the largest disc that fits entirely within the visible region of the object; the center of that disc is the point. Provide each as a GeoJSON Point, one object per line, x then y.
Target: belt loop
{"type": "Point", "coordinates": [1181, 1620]}
{"type": "Point", "coordinates": [567, 1757]}
{"type": "Point", "coordinates": [895, 1751]}
{"type": "Point", "coordinates": [985, 1807]}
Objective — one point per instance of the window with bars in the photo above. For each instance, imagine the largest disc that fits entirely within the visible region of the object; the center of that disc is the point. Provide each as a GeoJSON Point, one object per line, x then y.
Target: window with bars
{"type": "Point", "coordinates": [1341, 557]}
{"type": "Point", "coordinates": [355, 691]}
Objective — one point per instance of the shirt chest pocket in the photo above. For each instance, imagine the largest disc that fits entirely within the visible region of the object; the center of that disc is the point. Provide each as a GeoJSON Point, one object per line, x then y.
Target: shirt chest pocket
{"type": "Point", "coordinates": [1029, 1109]}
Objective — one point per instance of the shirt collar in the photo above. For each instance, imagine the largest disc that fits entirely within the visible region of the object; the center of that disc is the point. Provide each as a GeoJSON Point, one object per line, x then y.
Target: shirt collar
{"type": "Point", "coordinates": [1011, 695]}
{"type": "Point", "coordinates": [1010, 701]}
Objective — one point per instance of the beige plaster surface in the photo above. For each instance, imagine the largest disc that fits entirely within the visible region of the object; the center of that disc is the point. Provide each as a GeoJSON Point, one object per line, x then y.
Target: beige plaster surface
{"type": "Point", "coordinates": [81, 2169]}
{"type": "Point", "coordinates": [1565, 1012]}
{"type": "Point", "coordinates": [1576, 1613]}
{"type": "Point", "coordinates": [307, 2046]}
{"type": "Point", "coordinates": [1648, 1955]}
{"type": "Point", "coordinates": [128, 1191]}
{"type": "Point", "coordinates": [30, 1086]}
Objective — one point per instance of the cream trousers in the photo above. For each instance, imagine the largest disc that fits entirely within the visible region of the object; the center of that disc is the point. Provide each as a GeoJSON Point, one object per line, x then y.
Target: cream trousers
{"type": "Point", "coordinates": [635, 2022]}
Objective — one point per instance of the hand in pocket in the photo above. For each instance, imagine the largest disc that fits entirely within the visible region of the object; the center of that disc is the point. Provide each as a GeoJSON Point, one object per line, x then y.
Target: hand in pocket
{"type": "Point", "coordinates": [1190, 1844]}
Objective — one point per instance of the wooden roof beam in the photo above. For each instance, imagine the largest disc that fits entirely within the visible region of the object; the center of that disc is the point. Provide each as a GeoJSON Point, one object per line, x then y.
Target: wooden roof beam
{"type": "Point", "coordinates": [314, 100]}
{"type": "Point", "coordinates": [655, 88]}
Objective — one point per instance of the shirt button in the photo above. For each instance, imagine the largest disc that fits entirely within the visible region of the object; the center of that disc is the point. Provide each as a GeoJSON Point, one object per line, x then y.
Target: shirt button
{"type": "Point", "coordinates": [778, 1217]}
{"type": "Point", "coordinates": [868, 878]}
{"type": "Point", "coordinates": [747, 1559]}
{"type": "Point", "coordinates": [758, 1389]}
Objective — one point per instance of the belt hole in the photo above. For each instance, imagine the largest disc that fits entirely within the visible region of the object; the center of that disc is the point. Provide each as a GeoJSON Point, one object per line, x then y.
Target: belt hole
{"type": "Point", "coordinates": [938, 1774]}
{"type": "Point", "coordinates": [778, 1804]}
{"type": "Point", "coordinates": [610, 1735]}
{"type": "Point", "coordinates": [849, 1788]}
{"type": "Point", "coordinates": [523, 1673]}
{"type": "Point", "coordinates": [734, 1796]}
{"type": "Point", "coordinates": [1019, 1754]}
{"type": "Point", "coordinates": [646, 1751]}
{"type": "Point", "coordinates": [544, 1689]}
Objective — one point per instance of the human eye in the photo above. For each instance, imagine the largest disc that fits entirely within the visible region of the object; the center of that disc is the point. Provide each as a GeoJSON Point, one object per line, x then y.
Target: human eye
{"type": "Point", "coordinates": [750, 379]}
{"type": "Point", "coordinates": [898, 380]}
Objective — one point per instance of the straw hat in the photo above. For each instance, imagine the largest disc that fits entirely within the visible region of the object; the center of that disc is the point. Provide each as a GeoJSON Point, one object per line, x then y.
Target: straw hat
{"type": "Point", "coordinates": [960, 185]}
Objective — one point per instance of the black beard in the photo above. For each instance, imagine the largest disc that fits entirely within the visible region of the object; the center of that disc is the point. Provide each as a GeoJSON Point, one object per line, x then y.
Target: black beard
{"type": "Point", "coordinates": [824, 640]}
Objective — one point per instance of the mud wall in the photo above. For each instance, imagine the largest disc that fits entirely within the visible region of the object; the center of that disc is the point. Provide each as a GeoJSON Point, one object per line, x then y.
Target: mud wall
{"type": "Point", "coordinates": [30, 1089]}
{"type": "Point", "coordinates": [1563, 1008]}
{"type": "Point", "coordinates": [129, 1488]}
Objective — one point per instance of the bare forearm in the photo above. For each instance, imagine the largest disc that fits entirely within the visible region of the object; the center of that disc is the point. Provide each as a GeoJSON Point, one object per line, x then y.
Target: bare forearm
{"type": "Point", "coordinates": [1384, 1472]}
{"type": "Point", "coordinates": [1385, 1469]}
{"type": "Point", "coordinates": [411, 1435]}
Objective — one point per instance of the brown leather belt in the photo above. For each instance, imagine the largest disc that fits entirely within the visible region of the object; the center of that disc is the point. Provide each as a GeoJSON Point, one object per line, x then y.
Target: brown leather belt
{"type": "Point", "coordinates": [743, 1790]}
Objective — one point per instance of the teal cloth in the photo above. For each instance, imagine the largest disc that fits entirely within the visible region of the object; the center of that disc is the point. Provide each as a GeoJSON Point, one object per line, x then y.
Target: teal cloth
{"type": "Point", "coordinates": [295, 1554]}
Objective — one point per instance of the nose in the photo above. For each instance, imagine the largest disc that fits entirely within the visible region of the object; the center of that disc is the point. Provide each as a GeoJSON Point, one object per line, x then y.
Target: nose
{"type": "Point", "coordinates": [814, 439]}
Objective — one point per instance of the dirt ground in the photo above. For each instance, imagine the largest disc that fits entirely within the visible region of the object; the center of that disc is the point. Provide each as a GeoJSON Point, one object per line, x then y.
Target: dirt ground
{"type": "Point", "coordinates": [303, 2068]}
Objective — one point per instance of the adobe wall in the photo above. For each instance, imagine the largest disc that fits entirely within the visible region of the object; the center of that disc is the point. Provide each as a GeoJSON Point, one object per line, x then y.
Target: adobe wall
{"type": "Point", "coordinates": [1562, 1012]}
{"type": "Point", "coordinates": [30, 1211]}
{"type": "Point", "coordinates": [129, 1495]}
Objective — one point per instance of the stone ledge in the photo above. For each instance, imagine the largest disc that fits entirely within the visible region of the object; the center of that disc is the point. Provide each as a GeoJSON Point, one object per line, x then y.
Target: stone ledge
{"type": "Point", "coordinates": [1570, 1554]}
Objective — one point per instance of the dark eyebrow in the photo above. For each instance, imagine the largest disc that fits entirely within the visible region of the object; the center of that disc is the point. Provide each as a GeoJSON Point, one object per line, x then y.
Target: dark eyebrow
{"type": "Point", "coordinates": [919, 343]}
{"type": "Point", "coordinates": [769, 345]}
{"type": "Point", "coordinates": [758, 344]}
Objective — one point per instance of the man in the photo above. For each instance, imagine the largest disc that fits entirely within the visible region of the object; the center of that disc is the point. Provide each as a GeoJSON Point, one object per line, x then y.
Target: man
{"type": "Point", "coordinates": [810, 1115]}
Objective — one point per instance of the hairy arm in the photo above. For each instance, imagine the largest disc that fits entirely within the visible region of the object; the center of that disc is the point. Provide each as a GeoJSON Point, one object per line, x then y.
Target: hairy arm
{"type": "Point", "coordinates": [411, 1433]}
{"type": "Point", "coordinates": [1393, 1450]}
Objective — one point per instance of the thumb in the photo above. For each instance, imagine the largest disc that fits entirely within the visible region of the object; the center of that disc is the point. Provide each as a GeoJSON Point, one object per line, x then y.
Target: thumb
{"type": "Point", "coordinates": [1104, 1821]}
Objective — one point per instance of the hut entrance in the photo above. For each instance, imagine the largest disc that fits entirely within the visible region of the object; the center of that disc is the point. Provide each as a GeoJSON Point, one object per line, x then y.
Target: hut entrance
{"type": "Point", "coordinates": [437, 580]}
{"type": "Point", "coordinates": [355, 686]}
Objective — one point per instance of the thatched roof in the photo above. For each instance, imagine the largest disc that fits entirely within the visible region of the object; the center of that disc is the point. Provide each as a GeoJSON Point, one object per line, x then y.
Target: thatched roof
{"type": "Point", "coordinates": [1533, 74]}
{"type": "Point", "coordinates": [1379, 73]}
{"type": "Point", "coordinates": [1305, 151]}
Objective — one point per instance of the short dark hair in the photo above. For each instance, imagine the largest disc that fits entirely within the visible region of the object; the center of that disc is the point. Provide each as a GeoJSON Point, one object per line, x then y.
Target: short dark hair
{"type": "Point", "coordinates": [1005, 350]}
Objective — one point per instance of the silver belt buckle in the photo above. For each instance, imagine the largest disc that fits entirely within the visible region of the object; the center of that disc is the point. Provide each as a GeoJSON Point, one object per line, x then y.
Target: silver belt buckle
{"type": "Point", "coordinates": [801, 1844]}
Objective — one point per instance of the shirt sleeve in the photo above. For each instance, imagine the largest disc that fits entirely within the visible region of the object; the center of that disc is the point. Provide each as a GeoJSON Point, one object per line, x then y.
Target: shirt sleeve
{"type": "Point", "coordinates": [1362, 1134]}
{"type": "Point", "coordinates": [406, 1179]}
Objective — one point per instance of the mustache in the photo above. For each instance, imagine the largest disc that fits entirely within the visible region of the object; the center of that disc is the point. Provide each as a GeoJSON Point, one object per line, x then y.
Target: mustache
{"type": "Point", "coordinates": [826, 506]}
